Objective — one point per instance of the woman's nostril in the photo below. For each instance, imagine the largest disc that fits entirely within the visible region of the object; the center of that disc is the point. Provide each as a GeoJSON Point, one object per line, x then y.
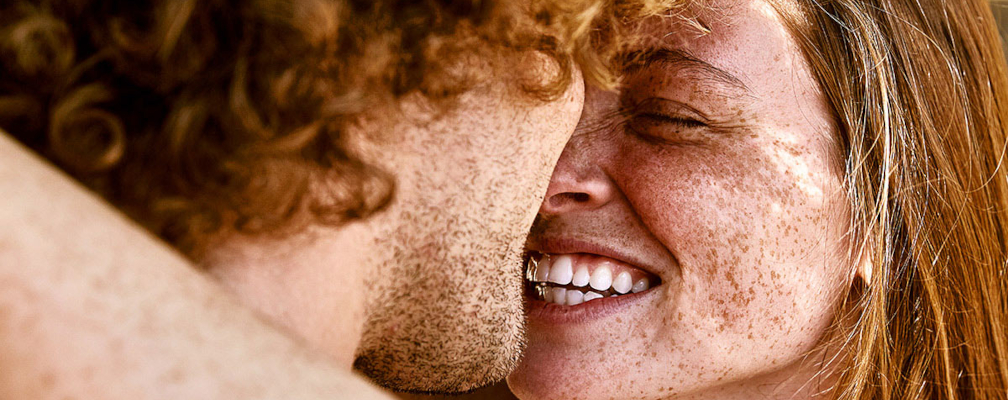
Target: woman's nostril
{"type": "Point", "coordinates": [564, 199]}
{"type": "Point", "coordinates": [579, 197]}
{"type": "Point", "coordinates": [590, 190]}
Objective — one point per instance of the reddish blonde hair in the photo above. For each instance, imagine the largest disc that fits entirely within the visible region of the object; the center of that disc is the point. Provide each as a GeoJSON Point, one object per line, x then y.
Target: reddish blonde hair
{"type": "Point", "coordinates": [920, 93]}
{"type": "Point", "coordinates": [195, 117]}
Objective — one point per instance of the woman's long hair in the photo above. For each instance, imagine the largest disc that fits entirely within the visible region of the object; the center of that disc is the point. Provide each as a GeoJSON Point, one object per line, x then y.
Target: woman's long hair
{"type": "Point", "coordinates": [921, 100]}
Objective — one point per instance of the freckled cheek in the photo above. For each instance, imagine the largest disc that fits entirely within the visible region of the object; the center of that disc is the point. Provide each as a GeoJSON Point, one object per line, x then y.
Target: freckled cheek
{"type": "Point", "coordinates": [741, 256]}
{"type": "Point", "coordinates": [756, 298]}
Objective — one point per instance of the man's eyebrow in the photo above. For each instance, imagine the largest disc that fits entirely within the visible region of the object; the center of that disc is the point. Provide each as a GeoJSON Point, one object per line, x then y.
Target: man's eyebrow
{"type": "Point", "coordinates": [634, 61]}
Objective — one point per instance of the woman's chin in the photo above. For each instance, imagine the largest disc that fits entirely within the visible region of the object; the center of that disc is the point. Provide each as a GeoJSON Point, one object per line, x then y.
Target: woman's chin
{"type": "Point", "coordinates": [586, 351]}
{"type": "Point", "coordinates": [549, 381]}
{"type": "Point", "coordinates": [556, 376]}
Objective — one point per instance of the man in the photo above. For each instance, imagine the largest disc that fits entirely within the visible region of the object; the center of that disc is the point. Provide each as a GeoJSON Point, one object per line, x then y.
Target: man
{"type": "Point", "coordinates": [360, 173]}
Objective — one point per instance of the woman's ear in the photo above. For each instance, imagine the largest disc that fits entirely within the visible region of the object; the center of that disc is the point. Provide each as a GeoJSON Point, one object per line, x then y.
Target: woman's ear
{"type": "Point", "coordinates": [865, 263]}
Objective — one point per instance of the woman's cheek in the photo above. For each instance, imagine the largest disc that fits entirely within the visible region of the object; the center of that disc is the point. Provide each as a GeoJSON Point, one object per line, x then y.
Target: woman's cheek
{"type": "Point", "coordinates": [738, 231]}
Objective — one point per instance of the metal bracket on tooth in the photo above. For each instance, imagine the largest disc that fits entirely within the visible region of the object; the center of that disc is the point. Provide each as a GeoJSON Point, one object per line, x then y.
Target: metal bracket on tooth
{"type": "Point", "coordinates": [540, 289]}
{"type": "Point", "coordinates": [530, 269]}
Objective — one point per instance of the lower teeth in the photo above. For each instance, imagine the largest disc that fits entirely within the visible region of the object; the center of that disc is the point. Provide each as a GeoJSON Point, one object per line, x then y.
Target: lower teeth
{"type": "Point", "coordinates": [564, 296]}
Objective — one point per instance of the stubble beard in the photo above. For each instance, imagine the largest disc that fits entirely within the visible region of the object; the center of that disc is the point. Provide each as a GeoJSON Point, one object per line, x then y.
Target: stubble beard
{"type": "Point", "coordinates": [447, 315]}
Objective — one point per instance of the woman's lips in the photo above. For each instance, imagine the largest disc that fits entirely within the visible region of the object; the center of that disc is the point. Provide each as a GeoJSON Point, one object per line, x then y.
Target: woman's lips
{"type": "Point", "coordinates": [541, 312]}
{"type": "Point", "coordinates": [571, 287]}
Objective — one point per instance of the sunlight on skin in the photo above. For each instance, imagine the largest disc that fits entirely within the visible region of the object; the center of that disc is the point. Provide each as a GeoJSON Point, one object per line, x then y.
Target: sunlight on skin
{"type": "Point", "coordinates": [743, 218]}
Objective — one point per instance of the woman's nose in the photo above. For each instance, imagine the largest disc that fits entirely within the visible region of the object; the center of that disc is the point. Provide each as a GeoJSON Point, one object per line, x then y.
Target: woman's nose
{"type": "Point", "coordinates": [578, 184]}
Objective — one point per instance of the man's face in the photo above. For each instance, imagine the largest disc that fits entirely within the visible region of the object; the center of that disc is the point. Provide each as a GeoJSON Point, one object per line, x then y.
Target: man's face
{"type": "Point", "coordinates": [449, 310]}
{"type": "Point", "coordinates": [440, 268]}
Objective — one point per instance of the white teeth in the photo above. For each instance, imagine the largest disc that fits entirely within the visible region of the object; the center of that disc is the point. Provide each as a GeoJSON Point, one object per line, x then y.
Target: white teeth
{"type": "Point", "coordinates": [574, 297]}
{"type": "Point", "coordinates": [542, 270]}
{"type": "Point", "coordinates": [581, 277]}
{"type": "Point", "coordinates": [559, 295]}
{"type": "Point", "coordinates": [622, 283]}
{"type": "Point", "coordinates": [641, 285]}
{"type": "Point", "coordinates": [601, 279]}
{"type": "Point", "coordinates": [562, 270]}
{"type": "Point", "coordinates": [559, 271]}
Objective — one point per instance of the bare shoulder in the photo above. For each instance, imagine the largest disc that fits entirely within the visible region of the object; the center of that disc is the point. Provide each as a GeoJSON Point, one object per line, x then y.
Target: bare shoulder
{"type": "Point", "coordinates": [92, 306]}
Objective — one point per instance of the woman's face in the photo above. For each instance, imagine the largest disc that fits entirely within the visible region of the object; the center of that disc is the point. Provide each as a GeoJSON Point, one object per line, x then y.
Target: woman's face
{"type": "Point", "coordinates": [712, 179]}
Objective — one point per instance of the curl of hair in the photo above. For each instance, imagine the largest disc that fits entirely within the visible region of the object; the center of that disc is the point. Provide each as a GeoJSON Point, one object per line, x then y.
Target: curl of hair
{"type": "Point", "coordinates": [199, 117]}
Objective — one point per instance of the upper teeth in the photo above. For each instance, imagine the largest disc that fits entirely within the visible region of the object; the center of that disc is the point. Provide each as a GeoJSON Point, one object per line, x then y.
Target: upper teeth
{"type": "Point", "coordinates": [542, 271]}
{"type": "Point", "coordinates": [641, 285]}
{"type": "Point", "coordinates": [623, 282]}
{"type": "Point", "coordinates": [581, 277]}
{"type": "Point", "coordinates": [601, 279]}
{"type": "Point", "coordinates": [559, 270]}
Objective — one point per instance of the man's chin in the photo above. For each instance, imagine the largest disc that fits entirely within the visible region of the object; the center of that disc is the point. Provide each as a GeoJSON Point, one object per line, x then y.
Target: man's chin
{"type": "Point", "coordinates": [450, 372]}
{"type": "Point", "coordinates": [448, 323]}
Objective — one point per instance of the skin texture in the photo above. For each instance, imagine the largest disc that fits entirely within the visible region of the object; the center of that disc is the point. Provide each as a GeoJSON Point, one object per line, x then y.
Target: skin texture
{"type": "Point", "coordinates": [94, 307]}
{"type": "Point", "coordinates": [427, 295]}
{"type": "Point", "coordinates": [741, 215]}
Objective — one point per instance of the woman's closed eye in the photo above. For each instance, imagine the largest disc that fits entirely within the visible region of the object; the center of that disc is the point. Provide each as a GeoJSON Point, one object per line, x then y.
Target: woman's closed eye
{"type": "Point", "coordinates": [675, 121]}
{"type": "Point", "coordinates": [666, 122]}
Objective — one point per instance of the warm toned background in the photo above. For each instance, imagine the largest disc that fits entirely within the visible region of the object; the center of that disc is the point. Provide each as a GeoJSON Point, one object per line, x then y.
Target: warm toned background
{"type": "Point", "coordinates": [500, 391]}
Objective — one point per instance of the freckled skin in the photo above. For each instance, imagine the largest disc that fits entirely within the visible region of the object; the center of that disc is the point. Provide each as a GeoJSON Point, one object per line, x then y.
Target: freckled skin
{"type": "Point", "coordinates": [748, 216]}
{"type": "Point", "coordinates": [427, 295]}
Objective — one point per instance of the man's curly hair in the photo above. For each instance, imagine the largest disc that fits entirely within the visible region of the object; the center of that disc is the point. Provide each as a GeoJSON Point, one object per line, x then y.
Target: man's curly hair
{"type": "Point", "coordinates": [195, 117]}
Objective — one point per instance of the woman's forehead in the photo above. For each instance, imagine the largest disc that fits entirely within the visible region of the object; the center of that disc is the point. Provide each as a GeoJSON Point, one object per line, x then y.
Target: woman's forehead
{"type": "Point", "coordinates": [732, 43]}
{"type": "Point", "coordinates": [733, 35]}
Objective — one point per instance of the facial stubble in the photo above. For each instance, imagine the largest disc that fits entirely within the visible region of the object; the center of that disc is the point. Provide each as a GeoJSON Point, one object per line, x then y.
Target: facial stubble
{"type": "Point", "coordinates": [448, 316]}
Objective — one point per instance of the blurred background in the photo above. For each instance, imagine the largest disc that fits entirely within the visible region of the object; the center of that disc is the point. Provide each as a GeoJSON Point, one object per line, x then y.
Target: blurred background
{"type": "Point", "coordinates": [500, 390]}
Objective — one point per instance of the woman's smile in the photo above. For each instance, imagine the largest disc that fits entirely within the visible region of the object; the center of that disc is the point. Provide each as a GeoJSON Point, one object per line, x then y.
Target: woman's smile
{"type": "Point", "coordinates": [708, 182]}
{"type": "Point", "coordinates": [574, 287]}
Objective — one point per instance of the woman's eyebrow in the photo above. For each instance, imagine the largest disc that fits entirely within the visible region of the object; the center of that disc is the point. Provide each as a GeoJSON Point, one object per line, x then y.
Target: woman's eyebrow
{"type": "Point", "coordinates": [634, 61]}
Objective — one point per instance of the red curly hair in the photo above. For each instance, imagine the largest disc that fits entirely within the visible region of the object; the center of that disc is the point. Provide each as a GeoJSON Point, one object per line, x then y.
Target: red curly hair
{"type": "Point", "coordinates": [195, 117]}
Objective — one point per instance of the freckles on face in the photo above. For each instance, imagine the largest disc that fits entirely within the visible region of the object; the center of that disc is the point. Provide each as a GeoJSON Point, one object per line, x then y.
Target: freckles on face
{"type": "Point", "coordinates": [752, 208]}
{"type": "Point", "coordinates": [725, 159]}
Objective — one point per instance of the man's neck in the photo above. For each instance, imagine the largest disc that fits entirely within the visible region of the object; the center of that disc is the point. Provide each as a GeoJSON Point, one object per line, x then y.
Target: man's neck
{"type": "Point", "coordinates": [311, 284]}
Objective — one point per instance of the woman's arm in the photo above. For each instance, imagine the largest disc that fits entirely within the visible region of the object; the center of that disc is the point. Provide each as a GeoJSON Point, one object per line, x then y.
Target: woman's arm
{"type": "Point", "coordinates": [92, 306]}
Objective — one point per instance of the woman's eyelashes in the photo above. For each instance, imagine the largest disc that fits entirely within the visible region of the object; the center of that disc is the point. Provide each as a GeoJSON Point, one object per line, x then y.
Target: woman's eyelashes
{"type": "Point", "coordinates": [674, 121]}
{"type": "Point", "coordinates": [664, 122]}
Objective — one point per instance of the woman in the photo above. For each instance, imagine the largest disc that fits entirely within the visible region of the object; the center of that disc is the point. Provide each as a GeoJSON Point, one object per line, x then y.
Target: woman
{"type": "Point", "coordinates": [788, 199]}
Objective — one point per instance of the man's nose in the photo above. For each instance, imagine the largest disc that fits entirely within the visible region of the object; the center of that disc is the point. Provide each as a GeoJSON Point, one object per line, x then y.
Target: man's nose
{"type": "Point", "coordinates": [578, 184]}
